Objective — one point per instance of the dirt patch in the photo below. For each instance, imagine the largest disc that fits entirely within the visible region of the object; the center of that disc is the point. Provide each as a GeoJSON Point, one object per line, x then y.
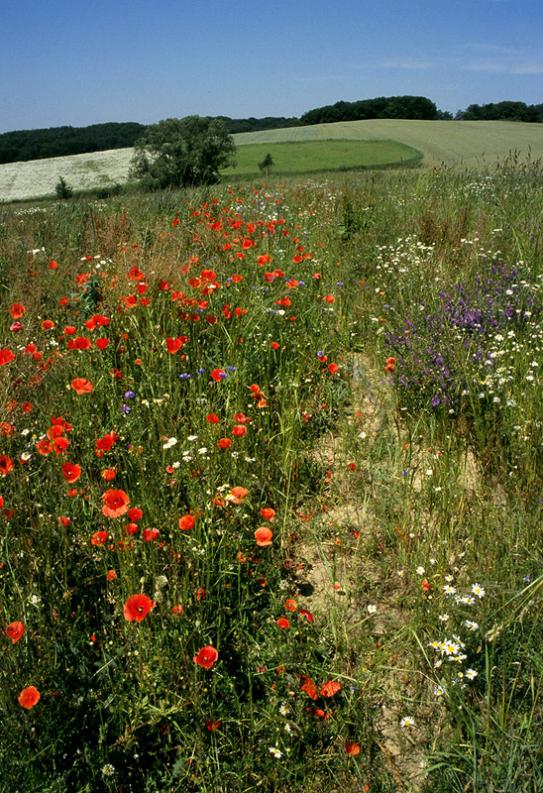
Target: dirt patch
{"type": "Point", "coordinates": [343, 585]}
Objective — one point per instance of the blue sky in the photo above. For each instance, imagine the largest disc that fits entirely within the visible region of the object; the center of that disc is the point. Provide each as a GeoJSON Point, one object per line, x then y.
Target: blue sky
{"type": "Point", "coordinates": [78, 63]}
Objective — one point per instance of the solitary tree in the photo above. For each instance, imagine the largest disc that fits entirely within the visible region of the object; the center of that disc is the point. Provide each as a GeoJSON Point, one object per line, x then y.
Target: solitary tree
{"type": "Point", "coordinates": [181, 152]}
{"type": "Point", "coordinates": [266, 164]}
{"type": "Point", "coordinates": [63, 189]}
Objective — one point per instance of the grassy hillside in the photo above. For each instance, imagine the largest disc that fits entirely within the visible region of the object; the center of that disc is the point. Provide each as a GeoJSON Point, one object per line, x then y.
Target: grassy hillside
{"type": "Point", "coordinates": [467, 142]}
{"type": "Point", "coordinates": [470, 142]}
{"type": "Point", "coordinates": [315, 155]}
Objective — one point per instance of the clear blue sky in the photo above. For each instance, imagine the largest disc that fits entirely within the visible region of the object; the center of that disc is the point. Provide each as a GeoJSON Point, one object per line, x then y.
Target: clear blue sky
{"type": "Point", "coordinates": [78, 63]}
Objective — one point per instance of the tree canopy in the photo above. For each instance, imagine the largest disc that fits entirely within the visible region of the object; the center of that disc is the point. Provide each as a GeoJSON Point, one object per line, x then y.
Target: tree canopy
{"type": "Point", "coordinates": [182, 152]}
{"type": "Point", "coordinates": [60, 141]}
{"type": "Point", "coordinates": [381, 107]}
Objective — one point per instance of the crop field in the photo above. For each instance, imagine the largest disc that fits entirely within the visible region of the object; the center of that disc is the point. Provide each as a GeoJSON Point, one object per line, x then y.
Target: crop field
{"type": "Point", "coordinates": [461, 143]}
{"type": "Point", "coordinates": [316, 156]}
{"type": "Point", "coordinates": [37, 178]}
{"type": "Point", "coordinates": [471, 143]}
{"type": "Point", "coordinates": [270, 487]}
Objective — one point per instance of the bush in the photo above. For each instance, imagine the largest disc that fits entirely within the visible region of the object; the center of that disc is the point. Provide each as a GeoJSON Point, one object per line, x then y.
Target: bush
{"type": "Point", "coordinates": [62, 189]}
{"type": "Point", "coordinates": [182, 152]}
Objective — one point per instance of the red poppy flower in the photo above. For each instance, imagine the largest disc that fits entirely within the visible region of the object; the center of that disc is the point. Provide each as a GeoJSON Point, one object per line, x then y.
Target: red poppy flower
{"type": "Point", "coordinates": [333, 368]}
{"type": "Point", "coordinates": [135, 513]}
{"type": "Point", "coordinates": [99, 538]}
{"type": "Point", "coordinates": [149, 535]}
{"type": "Point", "coordinates": [239, 430]}
{"type": "Point", "coordinates": [268, 513]}
{"type": "Point", "coordinates": [211, 726]}
{"type": "Point", "coordinates": [137, 607]}
{"type": "Point", "coordinates": [212, 418]}
{"type": "Point", "coordinates": [6, 464]}
{"type": "Point", "coordinates": [44, 447]}
{"type": "Point", "coordinates": [105, 443]}
{"type": "Point", "coordinates": [60, 445]}
{"type": "Point", "coordinates": [283, 623]}
{"type": "Point", "coordinates": [17, 310]}
{"type": "Point", "coordinates": [263, 536]}
{"type": "Point", "coordinates": [82, 386]}
{"type": "Point", "coordinates": [71, 472]}
{"type": "Point", "coordinates": [115, 503]}
{"type": "Point", "coordinates": [224, 443]}
{"type": "Point", "coordinates": [218, 375]}
{"type": "Point", "coordinates": [6, 356]}
{"type": "Point", "coordinates": [80, 343]}
{"type": "Point", "coordinates": [309, 687]}
{"type": "Point", "coordinates": [174, 345]}
{"type": "Point", "coordinates": [206, 657]}
{"type": "Point", "coordinates": [238, 494]}
{"type": "Point", "coordinates": [187, 522]}
{"type": "Point", "coordinates": [352, 748]}
{"type": "Point", "coordinates": [330, 688]}
{"type": "Point", "coordinates": [29, 697]}
{"type": "Point", "coordinates": [290, 604]}
{"type": "Point", "coordinates": [15, 631]}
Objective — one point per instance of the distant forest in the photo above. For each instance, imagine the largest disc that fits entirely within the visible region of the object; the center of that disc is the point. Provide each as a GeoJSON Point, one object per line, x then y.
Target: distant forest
{"type": "Point", "coordinates": [60, 141]}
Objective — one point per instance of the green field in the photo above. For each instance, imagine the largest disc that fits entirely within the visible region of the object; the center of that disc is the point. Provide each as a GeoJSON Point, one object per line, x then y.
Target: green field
{"type": "Point", "coordinates": [467, 142]}
{"type": "Point", "coordinates": [315, 155]}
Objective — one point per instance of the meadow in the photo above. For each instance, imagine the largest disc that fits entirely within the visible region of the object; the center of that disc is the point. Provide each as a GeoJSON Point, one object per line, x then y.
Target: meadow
{"type": "Point", "coordinates": [316, 156]}
{"type": "Point", "coordinates": [463, 143]}
{"type": "Point", "coordinates": [270, 486]}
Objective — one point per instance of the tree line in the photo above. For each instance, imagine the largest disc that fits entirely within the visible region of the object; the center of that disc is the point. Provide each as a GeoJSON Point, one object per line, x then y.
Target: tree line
{"type": "Point", "coordinates": [502, 111]}
{"type": "Point", "coordinates": [60, 141]}
{"type": "Point", "coordinates": [37, 144]}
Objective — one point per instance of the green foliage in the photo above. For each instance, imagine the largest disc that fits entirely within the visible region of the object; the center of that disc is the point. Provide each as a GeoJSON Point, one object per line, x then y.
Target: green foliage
{"type": "Point", "coordinates": [502, 111]}
{"type": "Point", "coordinates": [266, 164]}
{"type": "Point", "coordinates": [182, 152]}
{"type": "Point", "coordinates": [61, 141]}
{"type": "Point", "coordinates": [381, 107]}
{"type": "Point", "coordinates": [63, 189]}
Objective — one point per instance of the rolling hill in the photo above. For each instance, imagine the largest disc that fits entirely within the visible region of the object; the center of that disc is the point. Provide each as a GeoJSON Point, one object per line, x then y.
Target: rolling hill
{"type": "Point", "coordinates": [468, 143]}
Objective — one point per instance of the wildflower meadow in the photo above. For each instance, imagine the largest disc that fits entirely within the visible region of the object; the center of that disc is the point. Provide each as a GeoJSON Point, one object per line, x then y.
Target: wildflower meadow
{"type": "Point", "coordinates": [270, 486]}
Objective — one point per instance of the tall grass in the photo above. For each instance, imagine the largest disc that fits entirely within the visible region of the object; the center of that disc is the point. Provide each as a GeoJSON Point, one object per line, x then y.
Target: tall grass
{"type": "Point", "coordinates": [321, 399]}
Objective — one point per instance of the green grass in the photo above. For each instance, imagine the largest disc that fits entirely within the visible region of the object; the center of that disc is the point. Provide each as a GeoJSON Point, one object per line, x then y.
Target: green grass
{"type": "Point", "coordinates": [460, 142]}
{"type": "Point", "coordinates": [313, 156]}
